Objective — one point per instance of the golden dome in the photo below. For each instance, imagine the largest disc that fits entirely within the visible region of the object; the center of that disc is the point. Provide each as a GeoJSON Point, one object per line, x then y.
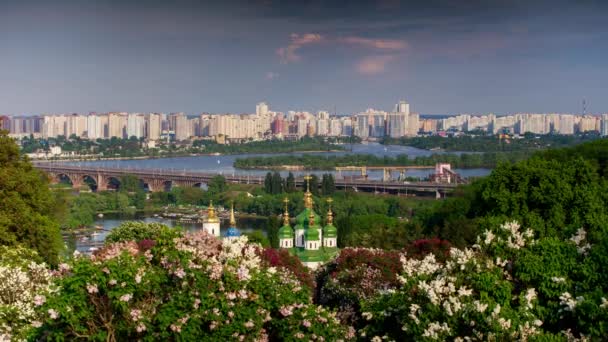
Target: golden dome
{"type": "Point", "coordinates": [211, 216]}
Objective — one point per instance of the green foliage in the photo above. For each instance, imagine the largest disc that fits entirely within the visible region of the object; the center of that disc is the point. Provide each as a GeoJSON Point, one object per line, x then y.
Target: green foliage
{"type": "Point", "coordinates": [272, 229]}
{"type": "Point", "coordinates": [323, 162]}
{"type": "Point", "coordinates": [26, 204]}
{"type": "Point", "coordinates": [258, 237]}
{"type": "Point", "coordinates": [290, 183]}
{"type": "Point", "coordinates": [328, 186]}
{"type": "Point", "coordinates": [492, 143]}
{"type": "Point", "coordinates": [138, 231]}
{"type": "Point", "coordinates": [217, 184]}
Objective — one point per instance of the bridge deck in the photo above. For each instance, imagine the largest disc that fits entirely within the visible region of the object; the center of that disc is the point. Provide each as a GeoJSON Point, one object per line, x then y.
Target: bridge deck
{"type": "Point", "coordinates": [204, 177]}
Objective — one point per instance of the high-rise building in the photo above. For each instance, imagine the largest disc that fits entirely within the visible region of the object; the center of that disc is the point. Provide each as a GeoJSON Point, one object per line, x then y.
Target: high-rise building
{"type": "Point", "coordinates": [117, 125]}
{"type": "Point", "coordinates": [76, 125]}
{"type": "Point", "coordinates": [153, 126]}
{"type": "Point", "coordinates": [95, 129]}
{"type": "Point", "coordinates": [262, 108]}
{"type": "Point", "coordinates": [5, 122]}
{"type": "Point", "coordinates": [135, 125]}
{"type": "Point", "coordinates": [178, 123]}
{"type": "Point", "coordinates": [604, 125]}
{"type": "Point", "coordinates": [403, 107]}
{"type": "Point", "coordinates": [397, 124]}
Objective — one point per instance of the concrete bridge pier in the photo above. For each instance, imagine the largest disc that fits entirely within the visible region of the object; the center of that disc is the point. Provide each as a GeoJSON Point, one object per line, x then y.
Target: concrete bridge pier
{"type": "Point", "coordinates": [386, 176]}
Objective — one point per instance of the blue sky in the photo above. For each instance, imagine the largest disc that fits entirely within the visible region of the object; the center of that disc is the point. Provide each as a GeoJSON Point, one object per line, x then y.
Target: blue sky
{"type": "Point", "coordinates": [442, 56]}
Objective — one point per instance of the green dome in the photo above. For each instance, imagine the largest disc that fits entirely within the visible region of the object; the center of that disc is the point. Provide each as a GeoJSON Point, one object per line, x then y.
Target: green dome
{"type": "Point", "coordinates": [330, 231]}
{"type": "Point", "coordinates": [311, 234]}
{"type": "Point", "coordinates": [303, 217]}
{"type": "Point", "coordinates": [285, 232]}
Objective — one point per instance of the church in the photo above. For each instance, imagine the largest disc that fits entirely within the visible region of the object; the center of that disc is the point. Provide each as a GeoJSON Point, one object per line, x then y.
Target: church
{"type": "Point", "coordinates": [313, 243]}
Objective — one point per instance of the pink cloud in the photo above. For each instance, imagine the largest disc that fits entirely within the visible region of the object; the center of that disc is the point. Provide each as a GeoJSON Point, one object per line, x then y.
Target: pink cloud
{"type": "Point", "coordinates": [373, 65]}
{"type": "Point", "coordinates": [380, 44]}
{"type": "Point", "coordinates": [289, 54]}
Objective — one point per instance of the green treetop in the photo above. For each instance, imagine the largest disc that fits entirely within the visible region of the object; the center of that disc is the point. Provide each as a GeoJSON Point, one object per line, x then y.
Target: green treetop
{"type": "Point", "coordinates": [25, 204]}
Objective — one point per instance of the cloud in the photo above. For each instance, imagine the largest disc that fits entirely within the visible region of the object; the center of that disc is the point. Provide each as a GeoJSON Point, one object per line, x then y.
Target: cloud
{"type": "Point", "coordinates": [289, 54]}
{"type": "Point", "coordinates": [380, 44]}
{"type": "Point", "coordinates": [271, 75]}
{"type": "Point", "coordinates": [373, 65]}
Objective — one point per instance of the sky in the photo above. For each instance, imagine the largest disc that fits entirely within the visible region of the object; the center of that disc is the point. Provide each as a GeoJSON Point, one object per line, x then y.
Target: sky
{"type": "Point", "coordinates": [344, 56]}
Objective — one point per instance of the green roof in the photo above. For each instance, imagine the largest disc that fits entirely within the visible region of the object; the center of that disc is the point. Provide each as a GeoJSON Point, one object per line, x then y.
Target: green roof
{"type": "Point", "coordinates": [311, 234]}
{"type": "Point", "coordinates": [303, 217]}
{"type": "Point", "coordinates": [330, 231]}
{"type": "Point", "coordinates": [285, 232]}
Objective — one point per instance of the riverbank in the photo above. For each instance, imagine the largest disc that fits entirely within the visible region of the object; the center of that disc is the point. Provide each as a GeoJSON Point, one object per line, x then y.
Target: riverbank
{"type": "Point", "coordinates": [99, 158]}
{"type": "Point", "coordinates": [328, 163]}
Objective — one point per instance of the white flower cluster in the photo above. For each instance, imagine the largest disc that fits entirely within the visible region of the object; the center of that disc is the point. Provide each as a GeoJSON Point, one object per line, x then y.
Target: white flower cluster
{"type": "Point", "coordinates": [435, 329]}
{"type": "Point", "coordinates": [515, 238]}
{"type": "Point", "coordinates": [569, 302]}
{"type": "Point", "coordinates": [413, 267]}
{"type": "Point", "coordinates": [528, 298]}
{"type": "Point", "coordinates": [21, 290]}
{"type": "Point", "coordinates": [241, 250]}
{"type": "Point", "coordinates": [444, 285]}
{"type": "Point", "coordinates": [460, 258]}
{"type": "Point", "coordinates": [579, 239]}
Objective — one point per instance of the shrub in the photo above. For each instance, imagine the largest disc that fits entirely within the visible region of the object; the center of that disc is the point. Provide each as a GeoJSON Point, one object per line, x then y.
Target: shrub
{"type": "Point", "coordinates": [24, 284]}
{"type": "Point", "coordinates": [138, 231]}
{"type": "Point", "coordinates": [356, 274]}
{"type": "Point", "coordinates": [193, 287]}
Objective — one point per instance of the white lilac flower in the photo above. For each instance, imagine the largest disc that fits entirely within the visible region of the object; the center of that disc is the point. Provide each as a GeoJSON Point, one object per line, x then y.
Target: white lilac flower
{"type": "Point", "coordinates": [243, 273]}
{"type": "Point", "coordinates": [136, 315]}
{"type": "Point", "coordinates": [558, 279]}
{"type": "Point", "coordinates": [367, 315]}
{"type": "Point", "coordinates": [180, 273]}
{"type": "Point", "coordinates": [126, 297]}
{"type": "Point", "coordinates": [39, 300]}
{"type": "Point", "coordinates": [579, 237]}
{"type": "Point", "coordinates": [435, 329]}
{"type": "Point", "coordinates": [480, 307]}
{"type": "Point", "coordinates": [53, 314]}
{"type": "Point", "coordinates": [567, 301]}
{"type": "Point", "coordinates": [92, 288]}
{"type": "Point", "coordinates": [529, 297]}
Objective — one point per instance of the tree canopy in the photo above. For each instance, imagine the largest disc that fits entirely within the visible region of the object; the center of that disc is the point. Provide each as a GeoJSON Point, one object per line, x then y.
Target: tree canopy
{"type": "Point", "coordinates": [25, 204]}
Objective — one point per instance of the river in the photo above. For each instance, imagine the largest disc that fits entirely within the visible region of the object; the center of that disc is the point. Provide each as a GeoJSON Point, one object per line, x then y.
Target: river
{"type": "Point", "coordinates": [109, 222]}
{"type": "Point", "coordinates": [223, 164]}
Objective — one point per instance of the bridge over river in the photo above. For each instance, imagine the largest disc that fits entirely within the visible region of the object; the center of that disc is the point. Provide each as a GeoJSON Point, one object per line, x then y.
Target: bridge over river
{"type": "Point", "coordinates": [104, 178]}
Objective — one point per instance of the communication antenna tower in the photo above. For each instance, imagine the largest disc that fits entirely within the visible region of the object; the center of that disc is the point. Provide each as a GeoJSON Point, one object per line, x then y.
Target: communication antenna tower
{"type": "Point", "coordinates": [584, 107]}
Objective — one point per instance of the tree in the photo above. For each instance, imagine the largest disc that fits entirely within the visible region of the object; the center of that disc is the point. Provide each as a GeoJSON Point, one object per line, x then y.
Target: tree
{"type": "Point", "coordinates": [328, 185]}
{"type": "Point", "coordinates": [276, 183]}
{"type": "Point", "coordinates": [268, 183]}
{"type": "Point", "coordinates": [314, 185]}
{"type": "Point", "coordinates": [26, 204]}
{"type": "Point", "coordinates": [290, 183]}
{"type": "Point", "coordinates": [217, 184]}
{"type": "Point", "coordinates": [273, 231]}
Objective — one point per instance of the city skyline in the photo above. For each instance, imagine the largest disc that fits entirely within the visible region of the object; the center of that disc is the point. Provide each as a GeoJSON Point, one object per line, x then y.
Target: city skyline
{"type": "Point", "coordinates": [447, 57]}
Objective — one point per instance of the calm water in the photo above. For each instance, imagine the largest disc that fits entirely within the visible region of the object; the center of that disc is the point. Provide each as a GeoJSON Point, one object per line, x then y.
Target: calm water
{"type": "Point", "coordinates": [110, 222]}
{"type": "Point", "coordinates": [224, 164]}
